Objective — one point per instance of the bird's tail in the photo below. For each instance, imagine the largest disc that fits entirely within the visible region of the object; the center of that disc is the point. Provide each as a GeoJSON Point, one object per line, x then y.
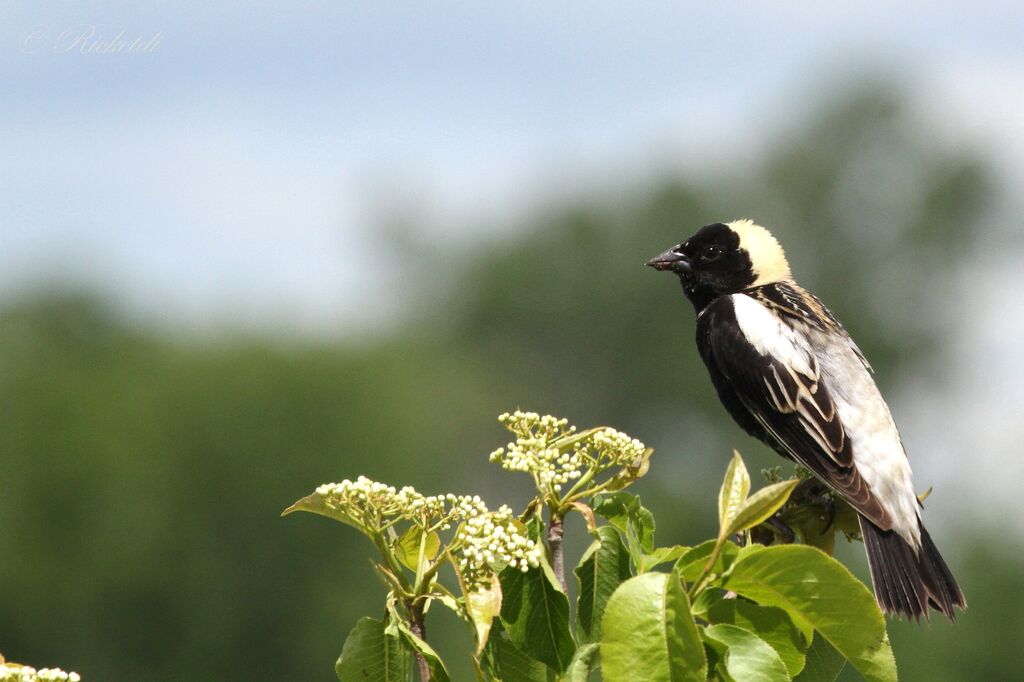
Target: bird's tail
{"type": "Point", "coordinates": [907, 582]}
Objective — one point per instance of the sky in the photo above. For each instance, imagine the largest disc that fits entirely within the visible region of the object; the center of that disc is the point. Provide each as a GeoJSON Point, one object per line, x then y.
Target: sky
{"type": "Point", "coordinates": [236, 169]}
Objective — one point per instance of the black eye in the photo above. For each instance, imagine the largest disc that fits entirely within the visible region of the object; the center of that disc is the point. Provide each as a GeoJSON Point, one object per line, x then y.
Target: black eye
{"type": "Point", "coordinates": [710, 253]}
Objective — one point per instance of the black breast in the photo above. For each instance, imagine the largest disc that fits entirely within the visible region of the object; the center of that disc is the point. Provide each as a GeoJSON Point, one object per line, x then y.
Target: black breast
{"type": "Point", "coordinates": [719, 318]}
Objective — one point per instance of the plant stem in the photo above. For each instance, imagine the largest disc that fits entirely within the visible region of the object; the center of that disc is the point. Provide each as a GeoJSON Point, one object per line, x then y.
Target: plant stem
{"type": "Point", "coordinates": [423, 582]}
{"type": "Point", "coordinates": [702, 579]}
{"type": "Point", "coordinates": [555, 530]}
{"type": "Point", "coordinates": [583, 480]}
{"type": "Point", "coordinates": [389, 559]}
{"type": "Point", "coordinates": [419, 629]}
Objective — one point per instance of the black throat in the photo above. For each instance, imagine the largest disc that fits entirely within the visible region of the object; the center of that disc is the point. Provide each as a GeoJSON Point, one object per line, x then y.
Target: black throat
{"type": "Point", "coordinates": [700, 295]}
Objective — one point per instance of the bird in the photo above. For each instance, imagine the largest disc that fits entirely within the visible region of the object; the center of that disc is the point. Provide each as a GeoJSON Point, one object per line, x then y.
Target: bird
{"type": "Point", "coordinates": [791, 376]}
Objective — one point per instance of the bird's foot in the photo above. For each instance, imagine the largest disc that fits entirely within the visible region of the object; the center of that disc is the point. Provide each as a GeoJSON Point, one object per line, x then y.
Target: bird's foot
{"type": "Point", "coordinates": [784, 532]}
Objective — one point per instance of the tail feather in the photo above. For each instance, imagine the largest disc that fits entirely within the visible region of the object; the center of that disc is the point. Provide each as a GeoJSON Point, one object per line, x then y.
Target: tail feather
{"type": "Point", "coordinates": [907, 582]}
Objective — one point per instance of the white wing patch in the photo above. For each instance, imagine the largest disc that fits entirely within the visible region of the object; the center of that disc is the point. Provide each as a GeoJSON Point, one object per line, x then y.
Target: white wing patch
{"type": "Point", "coordinates": [795, 392]}
{"type": "Point", "coordinates": [813, 357]}
{"type": "Point", "coordinates": [770, 336]}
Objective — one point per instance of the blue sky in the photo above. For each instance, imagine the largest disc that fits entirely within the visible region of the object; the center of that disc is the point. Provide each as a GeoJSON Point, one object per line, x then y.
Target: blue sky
{"type": "Point", "coordinates": [236, 171]}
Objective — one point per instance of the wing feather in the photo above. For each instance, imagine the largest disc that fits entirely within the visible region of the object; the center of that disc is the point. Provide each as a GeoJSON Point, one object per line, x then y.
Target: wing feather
{"type": "Point", "coordinates": [779, 381]}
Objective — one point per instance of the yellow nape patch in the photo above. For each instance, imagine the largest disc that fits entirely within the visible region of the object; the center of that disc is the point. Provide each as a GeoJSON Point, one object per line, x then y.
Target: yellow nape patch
{"type": "Point", "coordinates": [767, 258]}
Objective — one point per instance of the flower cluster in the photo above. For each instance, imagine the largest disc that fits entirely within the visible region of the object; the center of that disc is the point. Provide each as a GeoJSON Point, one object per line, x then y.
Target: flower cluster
{"type": "Point", "coordinates": [12, 672]}
{"type": "Point", "coordinates": [548, 448]}
{"type": "Point", "coordinates": [366, 499]}
{"type": "Point", "coordinates": [487, 540]}
{"type": "Point", "coordinates": [490, 541]}
{"type": "Point", "coordinates": [614, 448]}
{"type": "Point", "coordinates": [535, 449]}
{"type": "Point", "coordinates": [532, 425]}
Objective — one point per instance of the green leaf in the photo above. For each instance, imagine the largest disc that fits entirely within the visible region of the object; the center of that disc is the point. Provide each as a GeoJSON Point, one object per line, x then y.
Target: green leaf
{"type": "Point", "coordinates": [705, 600]}
{"type": "Point", "coordinates": [535, 612]}
{"type": "Point", "coordinates": [824, 663]}
{"type": "Point", "coordinates": [389, 579]}
{"type": "Point", "coordinates": [566, 443]}
{"type": "Point", "coordinates": [438, 673]}
{"type": "Point", "coordinates": [583, 663]}
{"type": "Point", "coordinates": [693, 561]}
{"type": "Point", "coordinates": [315, 504]}
{"type": "Point", "coordinates": [507, 663]}
{"type": "Point", "coordinates": [760, 506]}
{"type": "Point", "coordinates": [734, 490]}
{"type": "Point", "coordinates": [820, 593]}
{"type": "Point", "coordinates": [631, 472]}
{"type": "Point", "coordinates": [370, 654]}
{"type": "Point", "coordinates": [407, 549]}
{"type": "Point", "coordinates": [604, 566]}
{"type": "Point", "coordinates": [482, 607]}
{"type": "Point", "coordinates": [624, 511]}
{"type": "Point", "coordinates": [813, 525]}
{"type": "Point", "coordinates": [748, 658]}
{"type": "Point", "coordinates": [846, 519]}
{"type": "Point", "coordinates": [443, 596]}
{"type": "Point", "coordinates": [532, 528]}
{"type": "Point", "coordinates": [770, 623]}
{"type": "Point", "coordinates": [648, 633]}
{"type": "Point", "coordinates": [661, 555]}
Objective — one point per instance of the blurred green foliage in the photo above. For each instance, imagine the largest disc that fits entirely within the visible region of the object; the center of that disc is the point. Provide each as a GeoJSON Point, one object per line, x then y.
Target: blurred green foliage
{"type": "Point", "coordinates": [142, 477]}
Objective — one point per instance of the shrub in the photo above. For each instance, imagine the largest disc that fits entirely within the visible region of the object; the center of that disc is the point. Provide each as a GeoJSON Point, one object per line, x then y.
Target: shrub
{"type": "Point", "coordinates": [744, 605]}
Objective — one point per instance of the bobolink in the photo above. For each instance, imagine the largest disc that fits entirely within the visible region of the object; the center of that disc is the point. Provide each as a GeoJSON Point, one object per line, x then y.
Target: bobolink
{"type": "Point", "coordinates": [791, 376]}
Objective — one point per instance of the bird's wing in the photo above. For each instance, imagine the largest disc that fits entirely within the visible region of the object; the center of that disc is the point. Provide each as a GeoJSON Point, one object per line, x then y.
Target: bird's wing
{"type": "Point", "coordinates": [796, 304]}
{"type": "Point", "coordinates": [775, 374]}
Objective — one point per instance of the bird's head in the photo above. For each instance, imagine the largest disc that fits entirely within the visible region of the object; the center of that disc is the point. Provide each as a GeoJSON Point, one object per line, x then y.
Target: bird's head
{"type": "Point", "coordinates": [725, 258]}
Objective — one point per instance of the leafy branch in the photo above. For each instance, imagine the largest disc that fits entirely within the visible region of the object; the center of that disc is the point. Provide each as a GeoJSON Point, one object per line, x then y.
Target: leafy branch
{"type": "Point", "coordinates": [742, 605]}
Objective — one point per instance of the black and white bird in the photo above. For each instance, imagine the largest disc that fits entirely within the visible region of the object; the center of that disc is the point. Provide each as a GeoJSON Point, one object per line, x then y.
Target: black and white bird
{"type": "Point", "coordinates": [791, 376]}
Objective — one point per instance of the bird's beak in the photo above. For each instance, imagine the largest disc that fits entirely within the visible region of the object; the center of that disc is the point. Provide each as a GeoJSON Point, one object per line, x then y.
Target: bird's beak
{"type": "Point", "coordinates": [670, 260]}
